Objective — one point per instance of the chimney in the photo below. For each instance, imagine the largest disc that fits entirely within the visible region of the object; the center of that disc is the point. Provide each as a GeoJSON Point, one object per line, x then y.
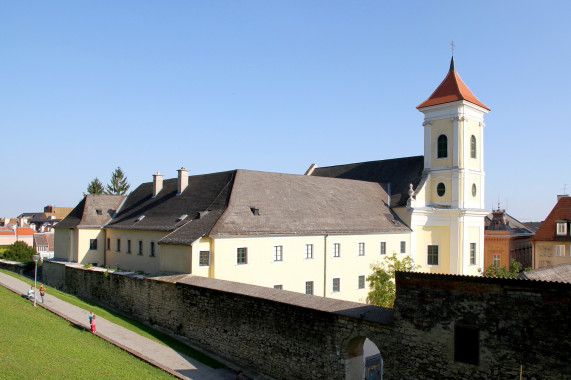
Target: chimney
{"type": "Point", "coordinates": [310, 170]}
{"type": "Point", "coordinates": [182, 180]}
{"type": "Point", "coordinates": [157, 183]}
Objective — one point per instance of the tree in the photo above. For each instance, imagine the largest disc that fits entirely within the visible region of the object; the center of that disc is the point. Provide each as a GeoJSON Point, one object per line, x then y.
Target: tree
{"type": "Point", "coordinates": [495, 270]}
{"type": "Point", "coordinates": [95, 187]}
{"type": "Point", "coordinates": [19, 251]}
{"type": "Point", "coordinates": [118, 184]}
{"type": "Point", "coordinates": [382, 280]}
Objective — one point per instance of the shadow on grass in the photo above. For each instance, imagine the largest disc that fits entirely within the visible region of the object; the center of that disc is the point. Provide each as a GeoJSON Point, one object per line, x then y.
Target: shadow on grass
{"type": "Point", "coordinates": [126, 322]}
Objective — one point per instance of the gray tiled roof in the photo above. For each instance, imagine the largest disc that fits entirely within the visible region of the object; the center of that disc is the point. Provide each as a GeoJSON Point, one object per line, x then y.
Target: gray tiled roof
{"type": "Point", "coordinates": [93, 211]}
{"type": "Point", "coordinates": [557, 273]}
{"type": "Point", "coordinates": [399, 172]}
{"type": "Point", "coordinates": [298, 204]}
{"type": "Point", "coordinates": [203, 201]}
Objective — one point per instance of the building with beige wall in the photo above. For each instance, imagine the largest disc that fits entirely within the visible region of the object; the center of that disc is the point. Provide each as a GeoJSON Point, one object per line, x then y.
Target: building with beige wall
{"type": "Point", "coordinates": [319, 232]}
{"type": "Point", "coordinates": [552, 240]}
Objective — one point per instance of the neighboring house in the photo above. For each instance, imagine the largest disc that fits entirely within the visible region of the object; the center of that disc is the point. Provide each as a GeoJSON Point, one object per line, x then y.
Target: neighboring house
{"type": "Point", "coordinates": [440, 195]}
{"type": "Point", "coordinates": [80, 237]}
{"type": "Point", "coordinates": [44, 222]}
{"type": "Point", "coordinates": [9, 236]}
{"type": "Point", "coordinates": [505, 239]}
{"type": "Point", "coordinates": [552, 241]}
{"type": "Point", "coordinates": [317, 233]}
{"type": "Point", "coordinates": [557, 273]}
{"type": "Point", "coordinates": [44, 244]}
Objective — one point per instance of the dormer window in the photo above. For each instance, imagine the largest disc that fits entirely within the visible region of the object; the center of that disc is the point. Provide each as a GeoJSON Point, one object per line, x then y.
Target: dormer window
{"type": "Point", "coordinates": [140, 218]}
{"type": "Point", "coordinates": [99, 211]}
{"type": "Point", "coordinates": [561, 228]}
{"type": "Point", "coordinates": [255, 211]}
{"type": "Point", "coordinates": [182, 217]}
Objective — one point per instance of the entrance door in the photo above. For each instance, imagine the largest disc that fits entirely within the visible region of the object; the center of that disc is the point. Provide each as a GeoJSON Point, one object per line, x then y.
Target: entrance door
{"type": "Point", "coordinates": [374, 367]}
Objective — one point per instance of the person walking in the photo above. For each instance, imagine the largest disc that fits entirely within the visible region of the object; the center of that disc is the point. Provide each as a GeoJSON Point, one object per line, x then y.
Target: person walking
{"type": "Point", "coordinates": [90, 317]}
{"type": "Point", "coordinates": [42, 292]}
{"type": "Point", "coordinates": [92, 323]}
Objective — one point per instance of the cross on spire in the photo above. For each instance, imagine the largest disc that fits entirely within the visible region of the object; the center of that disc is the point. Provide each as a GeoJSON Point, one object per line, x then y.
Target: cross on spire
{"type": "Point", "coordinates": [452, 46]}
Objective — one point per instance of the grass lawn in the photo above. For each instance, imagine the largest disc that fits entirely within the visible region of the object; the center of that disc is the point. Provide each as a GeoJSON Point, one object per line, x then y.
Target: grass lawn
{"type": "Point", "coordinates": [126, 322]}
{"type": "Point", "coordinates": [36, 344]}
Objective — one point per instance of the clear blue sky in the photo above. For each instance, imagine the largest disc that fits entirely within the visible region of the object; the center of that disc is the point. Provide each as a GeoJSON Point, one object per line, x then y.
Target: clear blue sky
{"type": "Point", "coordinates": [274, 86]}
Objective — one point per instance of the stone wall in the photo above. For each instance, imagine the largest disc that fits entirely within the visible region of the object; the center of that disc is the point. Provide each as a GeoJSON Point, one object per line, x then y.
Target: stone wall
{"type": "Point", "coordinates": [288, 335]}
{"type": "Point", "coordinates": [12, 266]}
{"type": "Point", "coordinates": [283, 334]}
{"type": "Point", "coordinates": [517, 322]}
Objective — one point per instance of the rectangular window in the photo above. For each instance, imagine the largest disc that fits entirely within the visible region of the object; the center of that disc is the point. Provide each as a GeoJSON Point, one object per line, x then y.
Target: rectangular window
{"type": "Point", "coordinates": [118, 245]}
{"type": "Point", "coordinates": [128, 246]}
{"type": "Point", "coordinates": [336, 249]}
{"type": "Point", "coordinates": [242, 256]}
{"type": "Point", "coordinates": [561, 228]}
{"type": "Point", "coordinates": [560, 250]}
{"type": "Point", "coordinates": [361, 282]}
{"type": "Point", "coordinates": [278, 253]}
{"type": "Point", "coordinates": [361, 249]}
{"type": "Point", "coordinates": [467, 345]}
{"type": "Point", "coordinates": [432, 255]}
{"type": "Point", "coordinates": [92, 244]}
{"type": "Point", "coordinates": [278, 286]}
{"type": "Point", "coordinates": [152, 247]}
{"type": "Point", "coordinates": [403, 247]}
{"type": "Point", "coordinates": [309, 251]}
{"type": "Point", "coordinates": [108, 244]}
{"type": "Point", "coordinates": [337, 284]}
{"type": "Point", "coordinates": [140, 247]}
{"type": "Point", "coordinates": [309, 287]}
{"type": "Point", "coordinates": [496, 260]}
{"type": "Point", "coordinates": [204, 259]}
{"type": "Point", "coordinates": [383, 248]}
{"type": "Point", "coordinates": [472, 253]}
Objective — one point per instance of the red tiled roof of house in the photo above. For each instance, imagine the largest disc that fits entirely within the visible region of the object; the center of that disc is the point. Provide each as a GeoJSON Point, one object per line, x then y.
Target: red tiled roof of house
{"type": "Point", "coordinates": [25, 231]}
{"type": "Point", "coordinates": [6, 232]}
{"type": "Point", "coordinates": [451, 89]}
{"type": "Point", "coordinates": [561, 211]}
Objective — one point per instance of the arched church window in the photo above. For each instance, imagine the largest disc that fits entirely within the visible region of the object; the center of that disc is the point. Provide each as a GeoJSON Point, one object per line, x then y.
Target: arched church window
{"type": "Point", "coordinates": [442, 146]}
{"type": "Point", "coordinates": [440, 189]}
{"type": "Point", "coordinates": [473, 146]}
{"type": "Point", "coordinates": [473, 189]}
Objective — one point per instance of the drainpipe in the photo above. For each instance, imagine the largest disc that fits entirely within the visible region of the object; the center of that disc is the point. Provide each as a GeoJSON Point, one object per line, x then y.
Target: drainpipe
{"type": "Point", "coordinates": [325, 265]}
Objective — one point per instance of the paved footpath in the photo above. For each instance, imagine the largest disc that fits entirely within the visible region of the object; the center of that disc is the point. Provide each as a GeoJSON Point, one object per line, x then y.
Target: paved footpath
{"type": "Point", "coordinates": [161, 356]}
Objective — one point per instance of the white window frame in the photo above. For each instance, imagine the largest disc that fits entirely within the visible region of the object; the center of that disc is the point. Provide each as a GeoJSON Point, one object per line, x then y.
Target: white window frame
{"type": "Point", "coordinates": [336, 285]}
{"type": "Point", "coordinates": [496, 259]}
{"type": "Point", "coordinates": [560, 250]}
{"type": "Point", "coordinates": [361, 282]}
{"type": "Point", "coordinates": [403, 246]}
{"type": "Point", "coordinates": [383, 248]}
{"type": "Point", "coordinates": [201, 254]}
{"type": "Point", "coordinates": [361, 249]}
{"type": "Point", "coordinates": [309, 251]}
{"type": "Point", "coordinates": [473, 253]}
{"type": "Point", "coordinates": [437, 255]}
{"type": "Point", "coordinates": [242, 259]}
{"type": "Point", "coordinates": [336, 249]}
{"type": "Point", "coordinates": [310, 284]}
{"type": "Point", "coordinates": [278, 253]}
{"type": "Point", "coordinates": [561, 228]}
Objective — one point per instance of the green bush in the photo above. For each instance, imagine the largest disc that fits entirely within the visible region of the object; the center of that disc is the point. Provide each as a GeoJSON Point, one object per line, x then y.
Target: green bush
{"type": "Point", "coordinates": [19, 251]}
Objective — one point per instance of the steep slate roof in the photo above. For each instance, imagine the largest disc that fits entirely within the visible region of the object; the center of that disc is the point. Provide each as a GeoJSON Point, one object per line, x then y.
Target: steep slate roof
{"type": "Point", "coordinates": [93, 211]}
{"type": "Point", "coordinates": [291, 204]}
{"type": "Point", "coordinates": [514, 225]}
{"type": "Point", "coordinates": [561, 212]}
{"type": "Point", "coordinates": [557, 273]}
{"type": "Point", "coordinates": [399, 172]}
{"type": "Point", "coordinates": [203, 200]}
{"type": "Point", "coordinates": [450, 90]}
